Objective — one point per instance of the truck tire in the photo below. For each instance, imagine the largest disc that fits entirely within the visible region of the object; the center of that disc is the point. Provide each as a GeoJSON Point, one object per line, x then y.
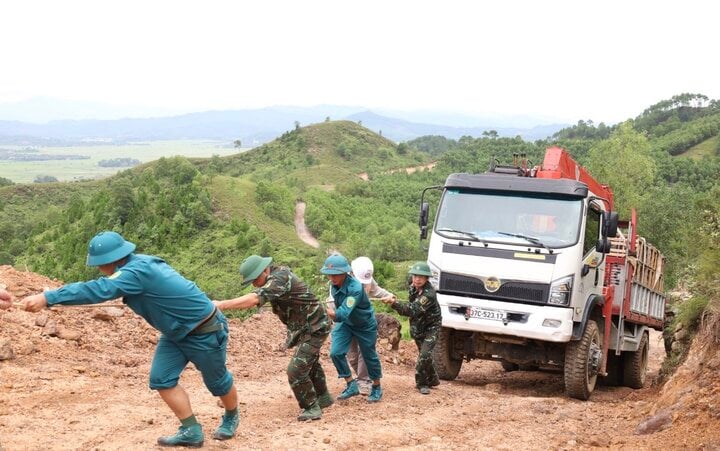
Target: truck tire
{"type": "Point", "coordinates": [447, 366]}
{"type": "Point", "coordinates": [636, 364]}
{"type": "Point", "coordinates": [509, 366]}
{"type": "Point", "coordinates": [582, 363]}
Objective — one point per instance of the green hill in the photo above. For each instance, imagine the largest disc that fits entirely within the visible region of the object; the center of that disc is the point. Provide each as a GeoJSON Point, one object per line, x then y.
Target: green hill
{"type": "Point", "coordinates": [206, 215]}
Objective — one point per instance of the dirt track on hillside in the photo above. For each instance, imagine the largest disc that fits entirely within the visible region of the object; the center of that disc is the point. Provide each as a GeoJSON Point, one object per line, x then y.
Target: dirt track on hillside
{"type": "Point", "coordinates": [86, 388]}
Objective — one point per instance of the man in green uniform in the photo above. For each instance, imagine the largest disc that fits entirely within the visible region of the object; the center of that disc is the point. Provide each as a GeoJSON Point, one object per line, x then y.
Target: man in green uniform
{"type": "Point", "coordinates": [354, 317]}
{"type": "Point", "coordinates": [193, 330]}
{"type": "Point", "coordinates": [307, 324]}
{"type": "Point", "coordinates": [425, 322]}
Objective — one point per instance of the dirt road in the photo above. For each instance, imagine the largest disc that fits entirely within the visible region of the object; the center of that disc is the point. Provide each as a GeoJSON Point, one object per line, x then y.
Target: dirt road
{"type": "Point", "coordinates": [85, 387]}
{"type": "Point", "coordinates": [301, 229]}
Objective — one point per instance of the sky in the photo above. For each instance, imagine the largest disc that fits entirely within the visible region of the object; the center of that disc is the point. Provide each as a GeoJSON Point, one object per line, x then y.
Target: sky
{"type": "Point", "coordinates": [601, 60]}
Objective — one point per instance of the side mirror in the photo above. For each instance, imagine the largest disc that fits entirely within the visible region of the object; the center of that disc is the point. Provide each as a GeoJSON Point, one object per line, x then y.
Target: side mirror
{"type": "Point", "coordinates": [424, 214]}
{"type": "Point", "coordinates": [603, 245]}
{"type": "Point", "coordinates": [610, 223]}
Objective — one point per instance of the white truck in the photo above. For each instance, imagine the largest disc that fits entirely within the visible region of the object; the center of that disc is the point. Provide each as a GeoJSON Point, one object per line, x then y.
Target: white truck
{"type": "Point", "coordinates": [533, 269]}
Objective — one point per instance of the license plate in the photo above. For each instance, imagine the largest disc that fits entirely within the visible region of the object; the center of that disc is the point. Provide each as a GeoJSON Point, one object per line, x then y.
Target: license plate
{"type": "Point", "coordinates": [482, 313]}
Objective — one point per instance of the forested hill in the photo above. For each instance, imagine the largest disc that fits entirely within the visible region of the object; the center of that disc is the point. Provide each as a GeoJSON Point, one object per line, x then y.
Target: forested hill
{"type": "Point", "coordinates": [205, 215]}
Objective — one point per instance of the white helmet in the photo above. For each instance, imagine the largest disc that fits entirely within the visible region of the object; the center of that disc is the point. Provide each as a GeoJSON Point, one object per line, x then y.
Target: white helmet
{"type": "Point", "coordinates": [362, 268]}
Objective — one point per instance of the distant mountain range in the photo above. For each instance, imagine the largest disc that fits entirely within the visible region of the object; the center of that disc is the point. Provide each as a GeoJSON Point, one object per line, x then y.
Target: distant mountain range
{"type": "Point", "coordinates": [252, 126]}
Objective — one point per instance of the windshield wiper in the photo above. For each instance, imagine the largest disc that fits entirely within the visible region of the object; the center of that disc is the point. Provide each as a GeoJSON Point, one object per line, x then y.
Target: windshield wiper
{"type": "Point", "coordinates": [530, 239]}
{"type": "Point", "coordinates": [470, 235]}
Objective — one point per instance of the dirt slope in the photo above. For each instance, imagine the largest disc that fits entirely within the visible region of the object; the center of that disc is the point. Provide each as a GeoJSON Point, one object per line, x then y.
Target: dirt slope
{"type": "Point", "coordinates": [82, 384]}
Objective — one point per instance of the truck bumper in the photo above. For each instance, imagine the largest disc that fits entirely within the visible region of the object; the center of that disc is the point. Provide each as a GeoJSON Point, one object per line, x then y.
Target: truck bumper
{"type": "Point", "coordinates": [545, 323]}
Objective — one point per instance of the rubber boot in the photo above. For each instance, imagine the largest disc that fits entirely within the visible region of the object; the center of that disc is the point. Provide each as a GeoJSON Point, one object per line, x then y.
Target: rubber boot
{"type": "Point", "coordinates": [227, 427]}
{"type": "Point", "coordinates": [325, 400]}
{"type": "Point", "coordinates": [375, 394]}
{"type": "Point", "coordinates": [191, 436]}
{"type": "Point", "coordinates": [351, 390]}
{"type": "Point", "coordinates": [313, 412]}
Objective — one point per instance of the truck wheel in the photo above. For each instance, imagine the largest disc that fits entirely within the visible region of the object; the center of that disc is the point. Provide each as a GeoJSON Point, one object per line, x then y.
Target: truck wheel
{"type": "Point", "coordinates": [636, 364]}
{"type": "Point", "coordinates": [582, 361]}
{"type": "Point", "coordinates": [446, 365]}
{"type": "Point", "coordinates": [509, 366]}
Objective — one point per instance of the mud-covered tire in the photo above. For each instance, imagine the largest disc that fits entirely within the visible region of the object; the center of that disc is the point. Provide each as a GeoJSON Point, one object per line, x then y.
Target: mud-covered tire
{"type": "Point", "coordinates": [446, 365]}
{"type": "Point", "coordinates": [614, 370]}
{"type": "Point", "coordinates": [580, 374]}
{"type": "Point", "coordinates": [509, 366]}
{"type": "Point", "coordinates": [636, 364]}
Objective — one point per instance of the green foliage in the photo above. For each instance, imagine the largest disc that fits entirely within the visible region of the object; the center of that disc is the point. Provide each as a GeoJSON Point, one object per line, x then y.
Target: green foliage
{"type": "Point", "coordinates": [690, 312]}
{"type": "Point", "coordinates": [669, 115]}
{"type": "Point", "coordinates": [45, 179]}
{"type": "Point", "coordinates": [624, 162]}
{"type": "Point", "coordinates": [434, 145]}
{"type": "Point", "coordinates": [276, 201]}
{"type": "Point", "coordinates": [5, 182]}
{"type": "Point", "coordinates": [687, 135]}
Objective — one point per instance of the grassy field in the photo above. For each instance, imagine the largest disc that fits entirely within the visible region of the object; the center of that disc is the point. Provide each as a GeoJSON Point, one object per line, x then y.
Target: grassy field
{"type": "Point", "coordinates": [705, 148]}
{"type": "Point", "coordinates": [69, 170]}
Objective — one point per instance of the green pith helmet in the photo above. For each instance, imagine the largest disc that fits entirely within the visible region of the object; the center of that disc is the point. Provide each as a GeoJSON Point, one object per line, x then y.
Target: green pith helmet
{"type": "Point", "coordinates": [420, 269]}
{"type": "Point", "coordinates": [108, 247]}
{"type": "Point", "coordinates": [336, 264]}
{"type": "Point", "coordinates": [252, 266]}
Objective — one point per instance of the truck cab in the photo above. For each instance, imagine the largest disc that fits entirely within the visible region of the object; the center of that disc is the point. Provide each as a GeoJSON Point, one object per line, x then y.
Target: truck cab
{"type": "Point", "coordinates": [518, 263]}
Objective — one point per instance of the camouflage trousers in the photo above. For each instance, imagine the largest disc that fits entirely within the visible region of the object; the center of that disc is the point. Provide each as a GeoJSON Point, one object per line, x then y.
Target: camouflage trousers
{"type": "Point", "coordinates": [305, 374]}
{"type": "Point", "coordinates": [425, 374]}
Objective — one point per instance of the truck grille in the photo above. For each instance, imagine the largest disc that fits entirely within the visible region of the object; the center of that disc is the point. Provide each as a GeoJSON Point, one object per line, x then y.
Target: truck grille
{"type": "Point", "coordinates": [523, 292]}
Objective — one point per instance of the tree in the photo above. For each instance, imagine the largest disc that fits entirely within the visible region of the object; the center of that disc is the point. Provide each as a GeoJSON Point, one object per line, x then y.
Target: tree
{"type": "Point", "coordinates": [45, 179]}
{"type": "Point", "coordinates": [490, 134]}
{"type": "Point", "coordinates": [6, 182]}
{"type": "Point", "coordinates": [624, 162]}
{"type": "Point", "coordinates": [237, 143]}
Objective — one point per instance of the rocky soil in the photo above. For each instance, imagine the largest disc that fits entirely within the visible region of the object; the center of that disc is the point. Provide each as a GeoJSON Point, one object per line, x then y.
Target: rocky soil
{"type": "Point", "coordinates": [76, 378]}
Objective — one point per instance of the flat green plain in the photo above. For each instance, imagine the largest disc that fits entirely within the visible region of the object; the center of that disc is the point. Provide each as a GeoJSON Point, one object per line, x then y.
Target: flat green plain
{"type": "Point", "coordinates": [72, 170]}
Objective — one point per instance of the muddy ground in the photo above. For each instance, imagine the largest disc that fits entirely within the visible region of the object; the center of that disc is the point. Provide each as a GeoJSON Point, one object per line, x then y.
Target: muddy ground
{"type": "Point", "coordinates": [77, 379]}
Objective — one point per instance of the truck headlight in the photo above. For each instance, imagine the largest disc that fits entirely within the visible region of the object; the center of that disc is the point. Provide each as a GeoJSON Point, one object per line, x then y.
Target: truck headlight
{"type": "Point", "coordinates": [561, 291]}
{"type": "Point", "coordinates": [435, 278]}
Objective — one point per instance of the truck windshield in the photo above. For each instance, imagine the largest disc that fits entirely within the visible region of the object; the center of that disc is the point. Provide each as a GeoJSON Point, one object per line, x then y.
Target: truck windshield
{"type": "Point", "coordinates": [540, 221]}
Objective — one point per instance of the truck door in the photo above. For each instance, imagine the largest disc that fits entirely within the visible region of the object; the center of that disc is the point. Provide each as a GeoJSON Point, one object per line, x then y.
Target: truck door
{"type": "Point", "coordinates": [592, 271]}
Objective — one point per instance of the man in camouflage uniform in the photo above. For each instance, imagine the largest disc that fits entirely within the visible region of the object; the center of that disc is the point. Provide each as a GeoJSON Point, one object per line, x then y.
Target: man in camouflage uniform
{"type": "Point", "coordinates": [307, 322]}
{"type": "Point", "coordinates": [425, 322]}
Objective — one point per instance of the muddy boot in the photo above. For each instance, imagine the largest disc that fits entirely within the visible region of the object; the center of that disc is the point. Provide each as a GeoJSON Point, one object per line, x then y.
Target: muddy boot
{"type": "Point", "coordinates": [435, 382]}
{"type": "Point", "coordinates": [227, 427]}
{"type": "Point", "coordinates": [313, 412]}
{"type": "Point", "coordinates": [376, 393]}
{"type": "Point", "coordinates": [351, 390]}
{"type": "Point", "coordinates": [424, 390]}
{"type": "Point", "coordinates": [325, 400]}
{"type": "Point", "coordinates": [191, 436]}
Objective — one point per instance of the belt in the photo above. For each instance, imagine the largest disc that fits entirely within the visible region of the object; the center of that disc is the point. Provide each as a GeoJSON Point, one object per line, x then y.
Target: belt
{"type": "Point", "coordinates": [209, 325]}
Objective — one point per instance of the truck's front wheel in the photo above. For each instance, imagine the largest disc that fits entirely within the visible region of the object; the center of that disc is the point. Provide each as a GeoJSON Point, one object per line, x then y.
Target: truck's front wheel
{"type": "Point", "coordinates": [582, 361]}
{"type": "Point", "coordinates": [446, 365]}
{"type": "Point", "coordinates": [636, 364]}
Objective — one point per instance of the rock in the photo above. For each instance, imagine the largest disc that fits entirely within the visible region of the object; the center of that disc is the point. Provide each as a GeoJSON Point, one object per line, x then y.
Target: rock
{"type": "Point", "coordinates": [41, 319]}
{"type": "Point", "coordinates": [681, 335]}
{"type": "Point", "coordinates": [657, 422]}
{"type": "Point", "coordinates": [26, 348]}
{"type": "Point", "coordinates": [6, 350]}
{"type": "Point", "coordinates": [50, 329]}
{"type": "Point", "coordinates": [69, 334]}
{"type": "Point", "coordinates": [326, 440]}
{"type": "Point", "coordinates": [109, 313]}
